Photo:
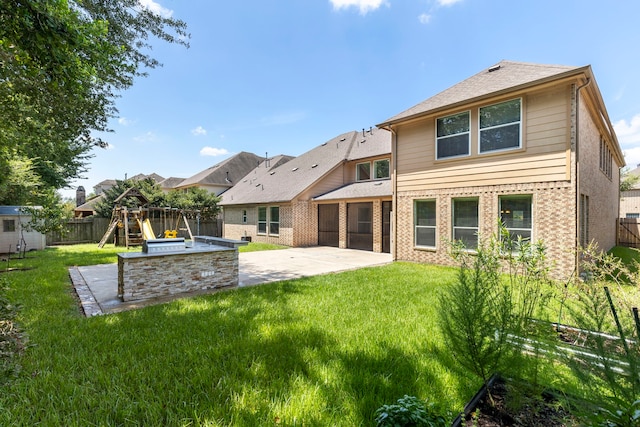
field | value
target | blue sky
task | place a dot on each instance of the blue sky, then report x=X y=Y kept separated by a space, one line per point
x=282 y=76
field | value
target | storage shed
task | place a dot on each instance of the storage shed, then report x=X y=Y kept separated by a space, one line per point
x=13 y=235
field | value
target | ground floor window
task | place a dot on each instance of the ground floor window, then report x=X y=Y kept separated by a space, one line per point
x=274 y=220
x=465 y=222
x=424 y=212
x=262 y=220
x=244 y=216
x=8 y=225
x=516 y=216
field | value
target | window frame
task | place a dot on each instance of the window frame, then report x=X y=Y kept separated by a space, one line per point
x=244 y=216
x=9 y=225
x=272 y=222
x=358 y=177
x=455 y=227
x=375 y=169
x=480 y=129
x=416 y=227
x=262 y=222
x=441 y=138
x=501 y=211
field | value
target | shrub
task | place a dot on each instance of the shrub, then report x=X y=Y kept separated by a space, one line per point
x=409 y=411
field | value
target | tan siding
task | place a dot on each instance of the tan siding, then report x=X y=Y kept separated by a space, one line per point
x=542 y=158
x=330 y=182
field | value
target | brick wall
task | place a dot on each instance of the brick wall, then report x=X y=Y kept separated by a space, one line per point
x=553 y=220
x=142 y=276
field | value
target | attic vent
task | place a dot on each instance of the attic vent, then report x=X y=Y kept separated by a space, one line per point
x=294 y=169
x=314 y=165
x=324 y=144
x=494 y=68
x=363 y=141
x=343 y=139
x=272 y=172
x=258 y=185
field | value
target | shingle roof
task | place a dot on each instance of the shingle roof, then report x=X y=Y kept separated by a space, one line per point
x=226 y=173
x=141 y=176
x=90 y=204
x=170 y=182
x=506 y=75
x=370 y=143
x=285 y=182
x=359 y=190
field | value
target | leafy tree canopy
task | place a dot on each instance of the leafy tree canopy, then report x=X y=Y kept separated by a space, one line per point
x=62 y=64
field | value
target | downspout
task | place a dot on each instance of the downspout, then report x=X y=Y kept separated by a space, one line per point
x=577 y=135
x=394 y=194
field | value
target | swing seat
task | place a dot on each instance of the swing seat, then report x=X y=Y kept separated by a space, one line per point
x=170 y=234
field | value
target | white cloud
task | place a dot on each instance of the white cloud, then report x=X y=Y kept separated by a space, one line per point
x=425 y=18
x=628 y=134
x=124 y=121
x=210 y=151
x=448 y=2
x=199 y=131
x=156 y=8
x=147 y=137
x=364 y=5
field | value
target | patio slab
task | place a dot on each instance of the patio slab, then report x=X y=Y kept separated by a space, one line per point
x=97 y=285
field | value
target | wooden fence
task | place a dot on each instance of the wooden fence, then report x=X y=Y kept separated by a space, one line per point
x=629 y=232
x=91 y=230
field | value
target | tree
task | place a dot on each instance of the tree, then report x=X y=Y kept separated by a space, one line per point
x=195 y=199
x=62 y=63
x=628 y=180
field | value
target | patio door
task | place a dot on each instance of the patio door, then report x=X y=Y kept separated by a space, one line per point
x=329 y=225
x=386 y=227
x=360 y=226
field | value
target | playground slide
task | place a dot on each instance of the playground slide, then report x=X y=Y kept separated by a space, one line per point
x=147 y=232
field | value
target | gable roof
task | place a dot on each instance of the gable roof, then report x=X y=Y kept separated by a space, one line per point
x=226 y=173
x=284 y=182
x=504 y=76
x=89 y=205
x=170 y=183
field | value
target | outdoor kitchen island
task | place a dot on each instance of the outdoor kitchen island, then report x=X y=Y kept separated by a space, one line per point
x=170 y=267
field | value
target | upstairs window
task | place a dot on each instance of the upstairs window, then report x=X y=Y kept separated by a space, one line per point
x=452 y=136
x=381 y=169
x=363 y=171
x=500 y=126
x=606 y=159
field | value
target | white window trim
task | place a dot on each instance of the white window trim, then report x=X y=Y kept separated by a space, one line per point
x=373 y=169
x=266 y=222
x=358 y=179
x=244 y=216
x=468 y=133
x=416 y=226
x=501 y=150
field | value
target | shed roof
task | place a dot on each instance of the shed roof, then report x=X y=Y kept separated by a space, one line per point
x=15 y=210
x=359 y=190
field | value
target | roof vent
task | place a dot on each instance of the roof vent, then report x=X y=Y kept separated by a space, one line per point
x=294 y=169
x=272 y=172
x=494 y=68
x=343 y=139
x=314 y=165
x=363 y=141
x=258 y=185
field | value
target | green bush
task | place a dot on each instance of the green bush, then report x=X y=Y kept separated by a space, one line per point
x=409 y=411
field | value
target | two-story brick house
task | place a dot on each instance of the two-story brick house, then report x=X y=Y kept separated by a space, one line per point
x=529 y=144
x=337 y=194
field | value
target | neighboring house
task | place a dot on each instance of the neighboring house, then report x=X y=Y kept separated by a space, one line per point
x=170 y=183
x=224 y=175
x=630 y=200
x=13 y=236
x=103 y=186
x=337 y=194
x=529 y=144
x=88 y=208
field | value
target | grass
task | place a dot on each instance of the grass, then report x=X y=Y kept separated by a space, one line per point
x=256 y=246
x=326 y=350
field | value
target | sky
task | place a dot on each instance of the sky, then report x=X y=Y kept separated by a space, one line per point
x=283 y=76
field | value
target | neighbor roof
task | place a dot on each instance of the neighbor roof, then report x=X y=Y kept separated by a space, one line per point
x=505 y=75
x=226 y=173
x=285 y=182
x=170 y=182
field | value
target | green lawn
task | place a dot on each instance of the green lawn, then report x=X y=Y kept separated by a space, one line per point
x=325 y=351
x=255 y=246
